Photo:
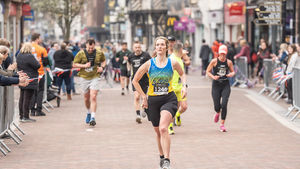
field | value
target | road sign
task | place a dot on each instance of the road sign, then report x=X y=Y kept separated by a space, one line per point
x=269 y=12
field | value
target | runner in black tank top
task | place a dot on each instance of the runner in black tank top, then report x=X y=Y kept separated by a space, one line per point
x=222 y=69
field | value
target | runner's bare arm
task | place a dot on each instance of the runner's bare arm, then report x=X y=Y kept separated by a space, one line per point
x=78 y=65
x=209 y=68
x=186 y=59
x=139 y=74
x=177 y=67
x=230 y=65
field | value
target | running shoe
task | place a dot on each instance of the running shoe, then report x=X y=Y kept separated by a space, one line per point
x=165 y=164
x=138 y=119
x=92 y=121
x=170 y=129
x=222 y=128
x=177 y=119
x=122 y=93
x=88 y=118
x=216 y=118
x=144 y=114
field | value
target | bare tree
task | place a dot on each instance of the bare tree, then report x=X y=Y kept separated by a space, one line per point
x=63 y=11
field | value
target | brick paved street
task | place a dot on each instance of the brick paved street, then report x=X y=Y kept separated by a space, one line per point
x=61 y=140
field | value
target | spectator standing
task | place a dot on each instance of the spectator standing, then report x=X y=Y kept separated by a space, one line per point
x=29 y=65
x=262 y=54
x=40 y=54
x=204 y=55
x=63 y=60
x=245 y=51
x=53 y=49
x=293 y=59
x=8 y=61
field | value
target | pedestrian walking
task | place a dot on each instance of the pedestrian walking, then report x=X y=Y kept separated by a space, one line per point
x=220 y=69
x=161 y=101
x=205 y=51
x=91 y=62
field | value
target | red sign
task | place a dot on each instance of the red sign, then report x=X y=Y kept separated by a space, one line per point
x=26 y=10
x=12 y=9
x=236 y=10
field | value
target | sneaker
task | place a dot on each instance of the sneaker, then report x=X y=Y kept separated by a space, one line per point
x=138 y=119
x=122 y=93
x=222 y=128
x=216 y=118
x=58 y=99
x=88 y=118
x=170 y=129
x=27 y=120
x=32 y=112
x=40 y=113
x=165 y=164
x=144 y=114
x=92 y=121
x=177 y=119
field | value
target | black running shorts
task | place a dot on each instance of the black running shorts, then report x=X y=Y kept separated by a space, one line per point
x=158 y=103
x=124 y=72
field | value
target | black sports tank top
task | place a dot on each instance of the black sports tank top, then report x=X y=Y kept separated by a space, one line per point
x=221 y=69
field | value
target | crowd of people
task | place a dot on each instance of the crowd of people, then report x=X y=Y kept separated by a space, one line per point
x=158 y=80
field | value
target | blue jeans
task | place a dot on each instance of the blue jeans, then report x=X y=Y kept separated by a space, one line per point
x=65 y=77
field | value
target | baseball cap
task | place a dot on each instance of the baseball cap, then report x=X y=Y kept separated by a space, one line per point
x=171 y=38
x=223 y=49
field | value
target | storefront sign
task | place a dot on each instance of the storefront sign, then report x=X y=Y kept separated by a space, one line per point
x=171 y=20
x=191 y=26
x=269 y=12
x=12 y=9
x=236 y=10
x=179 y=26
x=29 y=17
x=26 y=10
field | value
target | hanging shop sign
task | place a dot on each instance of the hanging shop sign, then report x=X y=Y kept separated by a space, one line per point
x=29 y=16
x=269 y=12
x=191 y=26
x=179 y=26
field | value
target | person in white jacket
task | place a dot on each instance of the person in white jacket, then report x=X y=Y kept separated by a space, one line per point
x=293 y=61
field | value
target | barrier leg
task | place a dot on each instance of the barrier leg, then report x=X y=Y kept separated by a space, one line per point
x=262 y=91
x=13 y=137
x=19 y=128
x=279 y=97
x=272 y=92
x=15 y=134
x=290 y=111
x=275 y=95
x=295 y=116
x=45 y=107
x=5 y=146
x=3 y=152
x=52 y=107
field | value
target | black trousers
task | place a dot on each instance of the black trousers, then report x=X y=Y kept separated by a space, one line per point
x=290 y=89
x=221 y=90
x=204 y=66
x=64 y=77
x=25 y=98
x=37 y=98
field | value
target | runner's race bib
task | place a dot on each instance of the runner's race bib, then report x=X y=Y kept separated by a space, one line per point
x=89 y=69
x=161 y=88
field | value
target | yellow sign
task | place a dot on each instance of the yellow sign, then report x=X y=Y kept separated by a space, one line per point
x=170 y=21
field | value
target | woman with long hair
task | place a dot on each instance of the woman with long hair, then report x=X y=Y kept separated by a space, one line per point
x=161 y=101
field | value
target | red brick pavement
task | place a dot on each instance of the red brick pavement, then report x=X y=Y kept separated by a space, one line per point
x=62 y=140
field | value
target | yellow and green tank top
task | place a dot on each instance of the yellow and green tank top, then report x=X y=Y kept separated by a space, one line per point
x=160 y=79
x=176 y=82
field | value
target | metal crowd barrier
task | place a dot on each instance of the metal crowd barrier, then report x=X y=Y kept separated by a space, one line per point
x=268 y=66
x=241 y=66
x=7 y=114
x=296 y=93
x=45 y=100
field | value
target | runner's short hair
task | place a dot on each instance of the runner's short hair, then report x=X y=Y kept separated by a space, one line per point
x=177 y=47
x=90 y=41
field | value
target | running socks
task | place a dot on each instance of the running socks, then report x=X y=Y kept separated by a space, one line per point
x=161 y=157
x=93 y=115
x=138 y=112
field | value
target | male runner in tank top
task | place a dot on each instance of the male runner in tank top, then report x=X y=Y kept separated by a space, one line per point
x=136 y=60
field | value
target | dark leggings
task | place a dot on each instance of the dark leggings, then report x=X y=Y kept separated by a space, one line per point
x=64 y=77
x=25 y=98
x=221 y=90
x=290 y=89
